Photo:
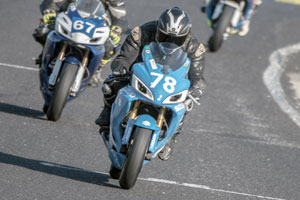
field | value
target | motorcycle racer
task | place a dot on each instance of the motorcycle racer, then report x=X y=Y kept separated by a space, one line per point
x=173 y=26
x=116 y=10
x=247 y=14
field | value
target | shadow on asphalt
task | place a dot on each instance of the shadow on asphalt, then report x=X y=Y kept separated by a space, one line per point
x=58 y=170
x=21 y=111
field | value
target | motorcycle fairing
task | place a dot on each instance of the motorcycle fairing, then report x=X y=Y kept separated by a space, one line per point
x=81 y=30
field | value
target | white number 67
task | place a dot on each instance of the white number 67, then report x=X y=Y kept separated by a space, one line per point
x=79 y=25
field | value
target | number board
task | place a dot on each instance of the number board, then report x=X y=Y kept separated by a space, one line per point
x=85 y=26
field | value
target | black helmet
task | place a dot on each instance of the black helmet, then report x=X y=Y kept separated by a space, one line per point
x=173 y=26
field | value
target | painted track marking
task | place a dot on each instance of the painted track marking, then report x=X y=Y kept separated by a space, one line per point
x=163 y=181
x=19 y=67
x=271 y=78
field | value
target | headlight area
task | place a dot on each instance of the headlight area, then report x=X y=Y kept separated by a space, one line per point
x=141 y=87
x=176 y=98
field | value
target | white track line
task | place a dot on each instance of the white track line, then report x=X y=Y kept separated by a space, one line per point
x=272 y=76
x=204 y=187
x=190 y=185
x=29 y=68
x=19 y=67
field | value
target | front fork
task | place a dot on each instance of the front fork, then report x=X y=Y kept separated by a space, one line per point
x=57 y=66
x=159 y=121
x=80 y=73
x=82 y=68
x=160 y=117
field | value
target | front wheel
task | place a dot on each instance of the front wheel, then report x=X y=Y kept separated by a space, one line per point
x=61 y=91
x=135 y=157
x=216 y=39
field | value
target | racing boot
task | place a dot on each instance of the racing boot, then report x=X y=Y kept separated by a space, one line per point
x=45 y=108
x=245 y=29
x=95 y=80
x=166 y=152
x=104 y=117
x=114 y=172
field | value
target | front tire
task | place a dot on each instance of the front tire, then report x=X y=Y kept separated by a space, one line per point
x=61 y=91
x=216 y=40
x=135 y=157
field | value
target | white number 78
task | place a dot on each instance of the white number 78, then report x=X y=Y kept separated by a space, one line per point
x=169 y=85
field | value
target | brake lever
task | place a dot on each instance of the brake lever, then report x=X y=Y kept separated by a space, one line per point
x=193 y=99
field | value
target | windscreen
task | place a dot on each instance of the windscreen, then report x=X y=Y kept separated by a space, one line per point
x=169 y=55
x=90 y=8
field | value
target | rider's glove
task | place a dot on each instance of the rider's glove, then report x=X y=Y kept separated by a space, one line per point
x=49 y=16
x=120 y=72
x=115 y=34
x=196 y=92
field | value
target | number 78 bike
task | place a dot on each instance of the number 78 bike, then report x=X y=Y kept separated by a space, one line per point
x=147 y=112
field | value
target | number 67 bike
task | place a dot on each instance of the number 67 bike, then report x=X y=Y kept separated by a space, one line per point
x=72 y=54
x=147 y=112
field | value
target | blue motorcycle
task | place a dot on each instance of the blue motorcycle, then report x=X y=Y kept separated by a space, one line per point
x=148 y=111
x=224 y=17
x=72 y=54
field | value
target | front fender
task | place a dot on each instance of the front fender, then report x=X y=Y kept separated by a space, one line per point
x=144 y=121
x=72 y=60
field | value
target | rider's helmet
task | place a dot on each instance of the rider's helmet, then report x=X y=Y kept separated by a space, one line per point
x=173 y=25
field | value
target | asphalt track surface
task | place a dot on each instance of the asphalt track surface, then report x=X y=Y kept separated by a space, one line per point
x=239 y=144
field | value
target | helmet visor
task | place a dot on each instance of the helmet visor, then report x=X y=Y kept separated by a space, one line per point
x=163 y=37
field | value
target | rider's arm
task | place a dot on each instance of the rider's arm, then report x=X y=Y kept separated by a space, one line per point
x=116 y=9
x=196 y=52
x=56 y=5
x=129 y=51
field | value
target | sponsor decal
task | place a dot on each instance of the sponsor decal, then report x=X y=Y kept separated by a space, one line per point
x=146 y=123
x=186 y=63
x=159 y=98
x=179 y=107
x=153 y=64
x=153 y=141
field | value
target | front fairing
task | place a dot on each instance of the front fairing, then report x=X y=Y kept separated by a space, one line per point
x=160 y=81
x=83 y=30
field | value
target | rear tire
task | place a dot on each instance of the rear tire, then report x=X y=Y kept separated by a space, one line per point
x=61 y=91
x=216 y=40
x=135 y=157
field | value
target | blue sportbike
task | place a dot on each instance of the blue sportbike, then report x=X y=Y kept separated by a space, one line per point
x=147 y=112
x=72 y=54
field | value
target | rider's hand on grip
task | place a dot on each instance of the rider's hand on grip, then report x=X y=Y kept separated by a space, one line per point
x=196 y=93
x=120 y=72
x=49 y=16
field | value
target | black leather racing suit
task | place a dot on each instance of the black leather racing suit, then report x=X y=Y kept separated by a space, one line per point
x=131 y=53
